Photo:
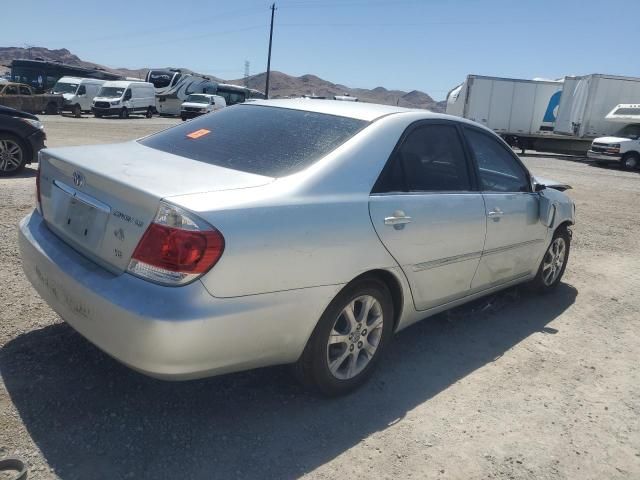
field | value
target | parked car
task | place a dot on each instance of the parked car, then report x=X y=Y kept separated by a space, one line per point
x=623 y=147
x=286 y=231
x=22 y=97
x=21 y=138
x=78 y=93
x=200 y=103
x=122 y=97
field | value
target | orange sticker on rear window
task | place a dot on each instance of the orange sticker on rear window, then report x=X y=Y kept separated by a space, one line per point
x=199 y=133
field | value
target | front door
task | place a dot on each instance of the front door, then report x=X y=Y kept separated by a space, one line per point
x=427 y=214
x=515 y=234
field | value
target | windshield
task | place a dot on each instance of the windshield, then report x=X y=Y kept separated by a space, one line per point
x=64 y=87
x=198 y=98
x=111 y=92
x=263 y=140
x=630 y=131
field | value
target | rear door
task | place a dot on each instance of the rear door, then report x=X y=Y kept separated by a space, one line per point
x=515 y=234
x=428 y=214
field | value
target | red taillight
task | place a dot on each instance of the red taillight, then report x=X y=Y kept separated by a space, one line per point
x=179 y=250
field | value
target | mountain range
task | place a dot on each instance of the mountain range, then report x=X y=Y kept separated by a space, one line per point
x=281 y=84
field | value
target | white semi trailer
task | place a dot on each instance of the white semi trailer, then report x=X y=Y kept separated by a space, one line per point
x=562 y=117
x=587 y=100
x=522 y=111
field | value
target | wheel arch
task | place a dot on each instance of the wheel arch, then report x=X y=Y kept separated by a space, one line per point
x=395 y=288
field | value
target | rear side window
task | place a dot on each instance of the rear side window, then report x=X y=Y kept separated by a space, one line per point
x=499 y=171
x=263 y=140
x=430 y=159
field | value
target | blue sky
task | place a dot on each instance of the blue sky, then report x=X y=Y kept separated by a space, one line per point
x=428 y=45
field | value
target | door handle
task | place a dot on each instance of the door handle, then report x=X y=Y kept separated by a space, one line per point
x=496 y=212
x=398 y=218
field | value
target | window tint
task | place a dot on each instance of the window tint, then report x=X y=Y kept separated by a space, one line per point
x=11 y=90
x=499 y=171
x=82 y=90
x=24 y=90
x=430 y=159
x=256 y=139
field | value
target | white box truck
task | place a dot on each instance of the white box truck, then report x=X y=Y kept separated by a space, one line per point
x=522 y=111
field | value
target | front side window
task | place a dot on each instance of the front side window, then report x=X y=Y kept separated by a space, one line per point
x=430 y=159
x=498 y=170
x=82 y=90
x=24 y=90
x=263 y=140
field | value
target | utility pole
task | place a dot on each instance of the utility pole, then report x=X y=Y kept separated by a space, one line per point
x=266 y=90
x=246 y=73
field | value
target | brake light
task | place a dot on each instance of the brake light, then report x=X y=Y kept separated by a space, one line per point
x=177 y=248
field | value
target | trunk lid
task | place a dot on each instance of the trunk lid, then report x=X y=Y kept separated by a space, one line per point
x=101 y=199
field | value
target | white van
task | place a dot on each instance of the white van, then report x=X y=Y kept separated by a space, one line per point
x=78 y=93
x=122 y=97
x=200 y=103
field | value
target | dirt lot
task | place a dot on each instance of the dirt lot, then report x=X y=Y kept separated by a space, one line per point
x=521 y=386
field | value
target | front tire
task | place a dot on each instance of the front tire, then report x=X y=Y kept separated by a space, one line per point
x=349 y=339
x=51 y=109
x=13 y=155
x=77 y=111
x=631 y=161
x=124 y=113
x=149 y=112
x=554 y=262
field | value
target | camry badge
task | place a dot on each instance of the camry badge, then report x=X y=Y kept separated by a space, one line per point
x=78 y=179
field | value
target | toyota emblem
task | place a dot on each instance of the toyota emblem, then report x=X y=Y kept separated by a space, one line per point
x=78 y=179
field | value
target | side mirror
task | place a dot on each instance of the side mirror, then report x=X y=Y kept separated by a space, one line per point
x=539 y=187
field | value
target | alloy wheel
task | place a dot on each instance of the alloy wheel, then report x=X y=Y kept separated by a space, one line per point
x=355 y=337
x=553 y=261
x=10 y=155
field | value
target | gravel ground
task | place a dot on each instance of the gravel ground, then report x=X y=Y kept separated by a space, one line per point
x=514 y=387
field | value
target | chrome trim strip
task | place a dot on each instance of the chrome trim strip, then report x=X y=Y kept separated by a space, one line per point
x=83 y=197
x=510 y=247
x=446 y=261
x=470 y=256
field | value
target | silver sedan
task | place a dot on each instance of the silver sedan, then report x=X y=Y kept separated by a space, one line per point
x=294 y=231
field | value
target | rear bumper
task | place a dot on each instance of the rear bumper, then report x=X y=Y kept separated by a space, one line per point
x=603 y=157
x=36 y=142
x=170 y=333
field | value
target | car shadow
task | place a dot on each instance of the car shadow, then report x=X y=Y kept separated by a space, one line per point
x=25 y=172
x=94 y=418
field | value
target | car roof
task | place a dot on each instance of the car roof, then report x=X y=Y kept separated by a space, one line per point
x=359 y=110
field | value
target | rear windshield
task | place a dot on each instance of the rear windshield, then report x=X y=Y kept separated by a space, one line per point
x=263 y=140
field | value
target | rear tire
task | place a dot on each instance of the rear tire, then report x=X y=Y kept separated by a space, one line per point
x=51 y=109
x=77 y=111
x=13 y=155
x=554 y=262
x=631 y=161
x=348 y=340
x=124 y=113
